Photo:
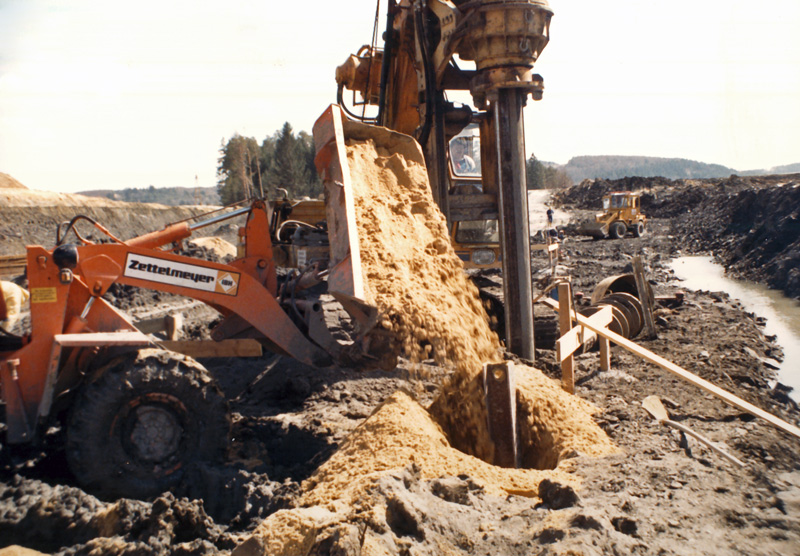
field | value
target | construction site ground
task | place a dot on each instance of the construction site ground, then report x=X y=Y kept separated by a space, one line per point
x=659 y=494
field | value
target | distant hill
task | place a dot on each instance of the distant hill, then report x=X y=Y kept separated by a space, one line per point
x=785 y=169
x=170 y=196
x=580 y=168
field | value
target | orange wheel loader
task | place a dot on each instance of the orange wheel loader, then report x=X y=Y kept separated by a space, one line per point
x=134 y=413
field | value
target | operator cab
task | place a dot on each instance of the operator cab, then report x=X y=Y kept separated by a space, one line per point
x=477 y=242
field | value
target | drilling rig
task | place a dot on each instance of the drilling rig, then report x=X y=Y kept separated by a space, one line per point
x=406 y=81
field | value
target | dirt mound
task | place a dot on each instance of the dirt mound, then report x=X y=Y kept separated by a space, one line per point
x=8 y=182
x=589 y=193
x=755 y=233
x=225 y=250
x=30 y=217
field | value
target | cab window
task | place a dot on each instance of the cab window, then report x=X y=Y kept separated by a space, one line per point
x=477 y=231
x=619 y=201
x=465 y=153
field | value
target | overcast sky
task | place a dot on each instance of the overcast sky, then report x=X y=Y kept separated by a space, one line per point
x=106 y=95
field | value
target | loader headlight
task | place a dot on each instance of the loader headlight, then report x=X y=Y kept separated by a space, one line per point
x=483 y=256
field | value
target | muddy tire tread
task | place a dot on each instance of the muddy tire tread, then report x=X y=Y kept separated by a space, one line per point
x=95 y=452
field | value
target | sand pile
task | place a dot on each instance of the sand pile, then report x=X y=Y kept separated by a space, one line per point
x=401 y=432
x=24 y=197
x=216 y=245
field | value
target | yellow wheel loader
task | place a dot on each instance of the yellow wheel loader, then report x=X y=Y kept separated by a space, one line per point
x=621 y=214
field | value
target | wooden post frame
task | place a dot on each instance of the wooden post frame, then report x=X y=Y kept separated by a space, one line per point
x=579 y=335
x=692 y=378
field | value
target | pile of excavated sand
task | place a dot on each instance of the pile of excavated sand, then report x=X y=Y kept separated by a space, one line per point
x=216 y=245
x=401 y=432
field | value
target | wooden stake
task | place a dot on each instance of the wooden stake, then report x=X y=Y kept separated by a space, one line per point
x=564 y=326
x=605 y=354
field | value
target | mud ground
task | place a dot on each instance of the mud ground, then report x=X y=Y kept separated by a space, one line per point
x=662 y=495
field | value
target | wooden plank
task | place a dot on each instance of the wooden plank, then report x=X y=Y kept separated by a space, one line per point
x=544 y=247
x=564 y=325
x=102 y=339
x=171 y=324
x=578 y=335
x=571 y=341
x=689 y=377
x=210 y=348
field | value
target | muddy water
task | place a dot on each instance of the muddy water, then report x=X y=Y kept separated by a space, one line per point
x=782 y=313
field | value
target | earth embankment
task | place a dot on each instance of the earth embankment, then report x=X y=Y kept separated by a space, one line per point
x=32 y=217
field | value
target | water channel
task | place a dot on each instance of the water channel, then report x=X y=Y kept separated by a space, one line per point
x=782 y=313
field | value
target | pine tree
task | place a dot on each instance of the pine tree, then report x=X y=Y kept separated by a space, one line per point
x=535 y=173
x=291 y=163
x=238 y=169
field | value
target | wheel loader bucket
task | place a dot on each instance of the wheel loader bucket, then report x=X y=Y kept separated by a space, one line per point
x=331 y=131
x=594 y=229
x=345 y=274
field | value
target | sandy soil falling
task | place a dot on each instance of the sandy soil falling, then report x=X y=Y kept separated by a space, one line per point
x=410 y=268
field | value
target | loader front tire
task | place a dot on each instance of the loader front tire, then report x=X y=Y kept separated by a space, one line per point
x=135 y=427
x=617 y=230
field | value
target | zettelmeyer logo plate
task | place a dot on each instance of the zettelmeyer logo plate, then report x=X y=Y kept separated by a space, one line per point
x=184 y=275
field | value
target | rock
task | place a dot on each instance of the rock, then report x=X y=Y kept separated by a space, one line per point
x=343 y=540
x=550 y=535
x=286 y=533
x=625 y=525
x=585 y=521
x=557 y=496
x=404 y=519
x=451 y=489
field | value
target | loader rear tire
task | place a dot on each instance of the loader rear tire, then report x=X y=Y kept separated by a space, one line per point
x=134 y=428
x=639 y=229
x=617 y=230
